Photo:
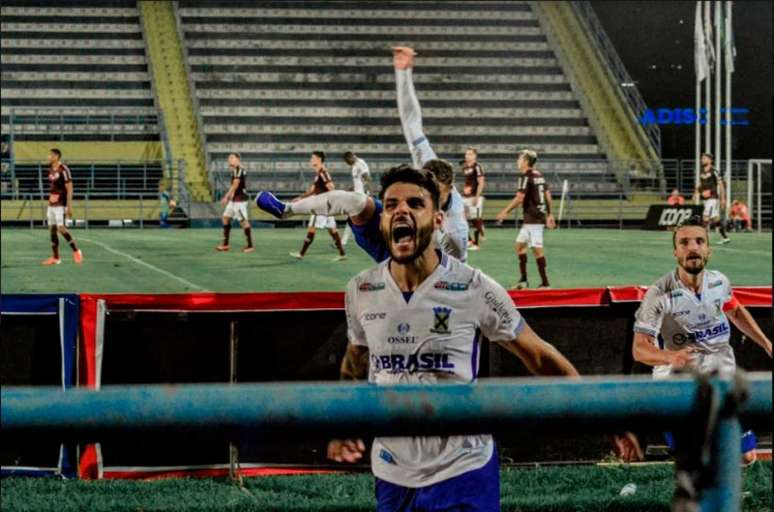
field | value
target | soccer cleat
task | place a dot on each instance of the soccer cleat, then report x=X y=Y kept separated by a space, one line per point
x=222 y=248
x=474 y=247
x=297 y=255
x=269 y=203
x=51 y=261
x=725 y=241
x=248 y=249
x=78 y=256
x=521 y=285
x=340 y=257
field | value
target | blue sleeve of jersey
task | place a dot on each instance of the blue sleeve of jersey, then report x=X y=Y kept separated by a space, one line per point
x=369 y=238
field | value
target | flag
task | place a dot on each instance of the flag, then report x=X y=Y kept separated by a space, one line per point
x=730 y=49
x=700 y=49
x=709 y=36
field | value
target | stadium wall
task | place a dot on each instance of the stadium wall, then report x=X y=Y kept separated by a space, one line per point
x=264 y=337
x=89 y=151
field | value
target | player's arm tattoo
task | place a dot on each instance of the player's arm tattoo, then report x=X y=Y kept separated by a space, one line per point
x=539 y=356
x=354 y=366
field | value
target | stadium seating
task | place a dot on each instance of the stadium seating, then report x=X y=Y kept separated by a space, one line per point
x=76 y=70
x=275 y=80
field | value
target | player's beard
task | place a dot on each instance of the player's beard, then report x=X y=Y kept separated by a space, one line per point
x=694 y=265
x=422 y=238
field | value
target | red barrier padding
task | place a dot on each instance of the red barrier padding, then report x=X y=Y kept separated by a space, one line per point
x=268 y=301
x=571 y=297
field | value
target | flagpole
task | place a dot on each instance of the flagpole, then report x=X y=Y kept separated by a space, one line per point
x=708 y=92
x=700 y=63
x=718 y=93
x=729 y=57
x=697 y=152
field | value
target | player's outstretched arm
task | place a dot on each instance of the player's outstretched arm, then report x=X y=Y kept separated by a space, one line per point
x=744 y=321
x=408 y=107
x=515 y=202
x=539 y=356
x=646 y=351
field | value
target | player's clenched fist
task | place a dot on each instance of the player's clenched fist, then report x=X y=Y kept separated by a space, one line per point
x=403 y=57
x=684 y=358
x=346 y=450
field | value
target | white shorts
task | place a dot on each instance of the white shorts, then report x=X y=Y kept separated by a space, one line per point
x=56 y=215
x=236 y=210
x=474 y=207
x=711 y=209
x=322 y=222
x=531 y=234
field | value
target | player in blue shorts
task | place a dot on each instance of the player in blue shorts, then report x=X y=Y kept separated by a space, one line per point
x=363 y=211
x=683 y=320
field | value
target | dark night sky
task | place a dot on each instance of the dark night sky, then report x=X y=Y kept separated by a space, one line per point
x=648 y=33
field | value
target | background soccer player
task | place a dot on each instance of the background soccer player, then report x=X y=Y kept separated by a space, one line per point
x=712 y=189
x=236 y=204
x=683 y=319
x=473 y=194
x=535 y=198
x=418 y=318
x=322 y=183
x=60 y=204
x=361 y=182
x=165 y=203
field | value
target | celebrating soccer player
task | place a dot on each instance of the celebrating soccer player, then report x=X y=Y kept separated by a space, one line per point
x=535 y=198
x=322 y=183
x=60 y=204
x=236 y=204
x=683 y=319
x=419 y=318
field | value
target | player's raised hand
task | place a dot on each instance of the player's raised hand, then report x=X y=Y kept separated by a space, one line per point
x=346 y=450
x=684 y=358
x=403 y=57
x=550 y=222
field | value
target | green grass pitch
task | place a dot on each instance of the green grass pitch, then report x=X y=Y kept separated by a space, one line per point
x=184 y=260
x=544 y=489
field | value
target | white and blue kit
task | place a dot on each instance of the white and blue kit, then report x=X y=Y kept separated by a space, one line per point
x=429 y=336
x=677 y=317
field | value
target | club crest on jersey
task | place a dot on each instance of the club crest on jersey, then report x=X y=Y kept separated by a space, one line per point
x=371 y=287
x=718 y=306
x=715 y=284
x=452 y=287
x=441 y=320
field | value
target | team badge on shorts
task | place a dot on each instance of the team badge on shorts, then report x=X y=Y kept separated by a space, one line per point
x=441 y=321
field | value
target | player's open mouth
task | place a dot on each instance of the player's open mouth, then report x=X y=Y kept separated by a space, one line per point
x=402 y=233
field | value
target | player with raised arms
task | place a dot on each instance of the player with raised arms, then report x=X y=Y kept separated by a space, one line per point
x=364 y=211
x=419 y=317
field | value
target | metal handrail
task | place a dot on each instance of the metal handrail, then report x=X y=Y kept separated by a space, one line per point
x=608 y=51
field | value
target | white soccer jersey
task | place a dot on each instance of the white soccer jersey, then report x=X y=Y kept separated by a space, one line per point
x=359 y=169
x=452 y=238
x=677 y=317
x=435 y=336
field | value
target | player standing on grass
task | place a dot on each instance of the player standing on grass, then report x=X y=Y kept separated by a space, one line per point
x=361 y=183
x=60 y=204
x=535 y=198
x=363 y=211
x=322 y=183
x=712 y=189
x=236 y=204
x=683 y=319
x=473 y=192
x=419 y=318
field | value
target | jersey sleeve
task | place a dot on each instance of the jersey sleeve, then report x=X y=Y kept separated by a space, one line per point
x=479 y=171
x=650 y=314
x=523 y=182
x=355 y=332
x=730 y=302
x=362 y=168
x=411 y=118
x=67 y=176
x=499 y=318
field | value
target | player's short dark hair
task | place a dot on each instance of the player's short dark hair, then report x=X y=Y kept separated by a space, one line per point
x=407 y=174
x=529 y=155
x=692 y=221
x=239 y=157
x=474 y=150
x=709 y=155
x=56 y=152
x=442 y=170
x=349 y=155
x=320 y=155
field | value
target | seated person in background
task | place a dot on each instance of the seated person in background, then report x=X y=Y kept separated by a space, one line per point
x=675 y=198
x=740 y=216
